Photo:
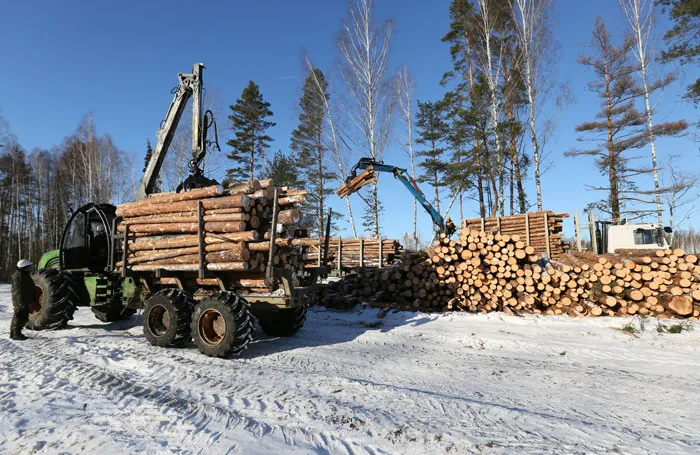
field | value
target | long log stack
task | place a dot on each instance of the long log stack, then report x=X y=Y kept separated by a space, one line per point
x=353 y=253
x=483 y=272
x=541 y=230
x=164 y=232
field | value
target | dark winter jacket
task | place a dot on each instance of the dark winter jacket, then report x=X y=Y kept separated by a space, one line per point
x=23 y=290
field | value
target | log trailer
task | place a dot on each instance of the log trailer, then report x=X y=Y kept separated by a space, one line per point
x=178 y=306
x=370 y=167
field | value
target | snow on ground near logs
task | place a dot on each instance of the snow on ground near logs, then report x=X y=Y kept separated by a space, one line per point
x=408 y=383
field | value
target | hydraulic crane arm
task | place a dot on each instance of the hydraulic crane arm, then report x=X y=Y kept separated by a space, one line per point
x=190 y=86
x=400 y=174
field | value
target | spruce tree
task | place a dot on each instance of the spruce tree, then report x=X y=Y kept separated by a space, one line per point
x=308 y=144
x=146 y=160
x=433 y=130
x=249 y=124
x=283 y=171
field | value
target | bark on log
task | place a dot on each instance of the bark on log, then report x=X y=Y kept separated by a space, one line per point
x=224 y=202
x=220 y=267
x=184 y=228
x=161 y=242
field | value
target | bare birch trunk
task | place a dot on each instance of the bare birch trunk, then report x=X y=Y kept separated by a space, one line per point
x=639 y=14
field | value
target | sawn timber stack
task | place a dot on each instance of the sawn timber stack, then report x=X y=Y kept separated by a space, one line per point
x=344 y=253
x=541 y=230
x=164 y=231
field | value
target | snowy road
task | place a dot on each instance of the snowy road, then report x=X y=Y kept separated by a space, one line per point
x=408 y=383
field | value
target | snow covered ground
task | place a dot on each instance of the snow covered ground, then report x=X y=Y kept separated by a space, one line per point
x=407 y=383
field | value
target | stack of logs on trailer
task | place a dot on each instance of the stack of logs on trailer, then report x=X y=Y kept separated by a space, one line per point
x=484 y=272
x=164 y=231
x=541 y=230
x=352 y=253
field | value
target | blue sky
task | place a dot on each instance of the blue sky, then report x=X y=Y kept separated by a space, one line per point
x=120 y=60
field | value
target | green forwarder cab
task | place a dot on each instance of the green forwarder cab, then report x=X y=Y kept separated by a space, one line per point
x=79 y=273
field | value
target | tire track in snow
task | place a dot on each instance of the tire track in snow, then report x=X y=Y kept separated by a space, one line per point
x=202 y=410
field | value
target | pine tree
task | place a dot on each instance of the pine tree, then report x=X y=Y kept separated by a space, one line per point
x=460 y=171
x=432 y=129
x=308 y=144
x=620 y=126
x=251 y=142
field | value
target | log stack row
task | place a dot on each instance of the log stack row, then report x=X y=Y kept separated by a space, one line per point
x=541 y=230
x=483 y=272
x=164 y=230
x=352 y=253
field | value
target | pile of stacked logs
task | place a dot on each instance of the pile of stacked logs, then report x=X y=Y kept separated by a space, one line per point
x=163 y=231
x=352 y=253
x=541 y=230
x=483 y=272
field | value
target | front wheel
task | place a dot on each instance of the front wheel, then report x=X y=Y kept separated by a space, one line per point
x=222 y=325
x=55 y=301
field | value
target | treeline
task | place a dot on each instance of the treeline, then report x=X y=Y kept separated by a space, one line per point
x=40 y=188
x=687 y=240
x=488 y=136
x=481 y=144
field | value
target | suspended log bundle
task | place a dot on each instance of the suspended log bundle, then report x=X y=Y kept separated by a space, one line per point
x=484 y=272
x=364 y=178
x=541 y=230
x=213 y=230
x=344 y=254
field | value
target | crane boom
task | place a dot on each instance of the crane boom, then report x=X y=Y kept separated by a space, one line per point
x=190 y=85
x=400 y=174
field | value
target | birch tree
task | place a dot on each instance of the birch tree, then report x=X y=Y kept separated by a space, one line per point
x=490 y=63
x=640 y=16
x=404 y=96
x=364 y=48
x=531 y=30
x=332 y=139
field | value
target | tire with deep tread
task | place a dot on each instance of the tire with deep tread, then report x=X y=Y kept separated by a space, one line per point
x=283 y=323
x=115 y=313
x=166 y=318
x=55 y=301
x=233 y=319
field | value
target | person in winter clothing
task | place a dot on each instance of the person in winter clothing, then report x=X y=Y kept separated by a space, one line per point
x=23 y=295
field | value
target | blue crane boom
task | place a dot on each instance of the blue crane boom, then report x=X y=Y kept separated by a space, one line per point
x=400 y=174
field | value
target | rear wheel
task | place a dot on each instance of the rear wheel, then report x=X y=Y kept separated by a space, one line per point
x=222 y=325
x=55 y=301
x=166 y=318
x=283 y=323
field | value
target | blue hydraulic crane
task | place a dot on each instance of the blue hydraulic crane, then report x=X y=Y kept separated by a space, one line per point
x=400 y=174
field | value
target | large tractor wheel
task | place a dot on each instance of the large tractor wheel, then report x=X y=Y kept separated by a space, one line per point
x=55 y=301
x=222 y=325
x=166 y=318
x=283 y=323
